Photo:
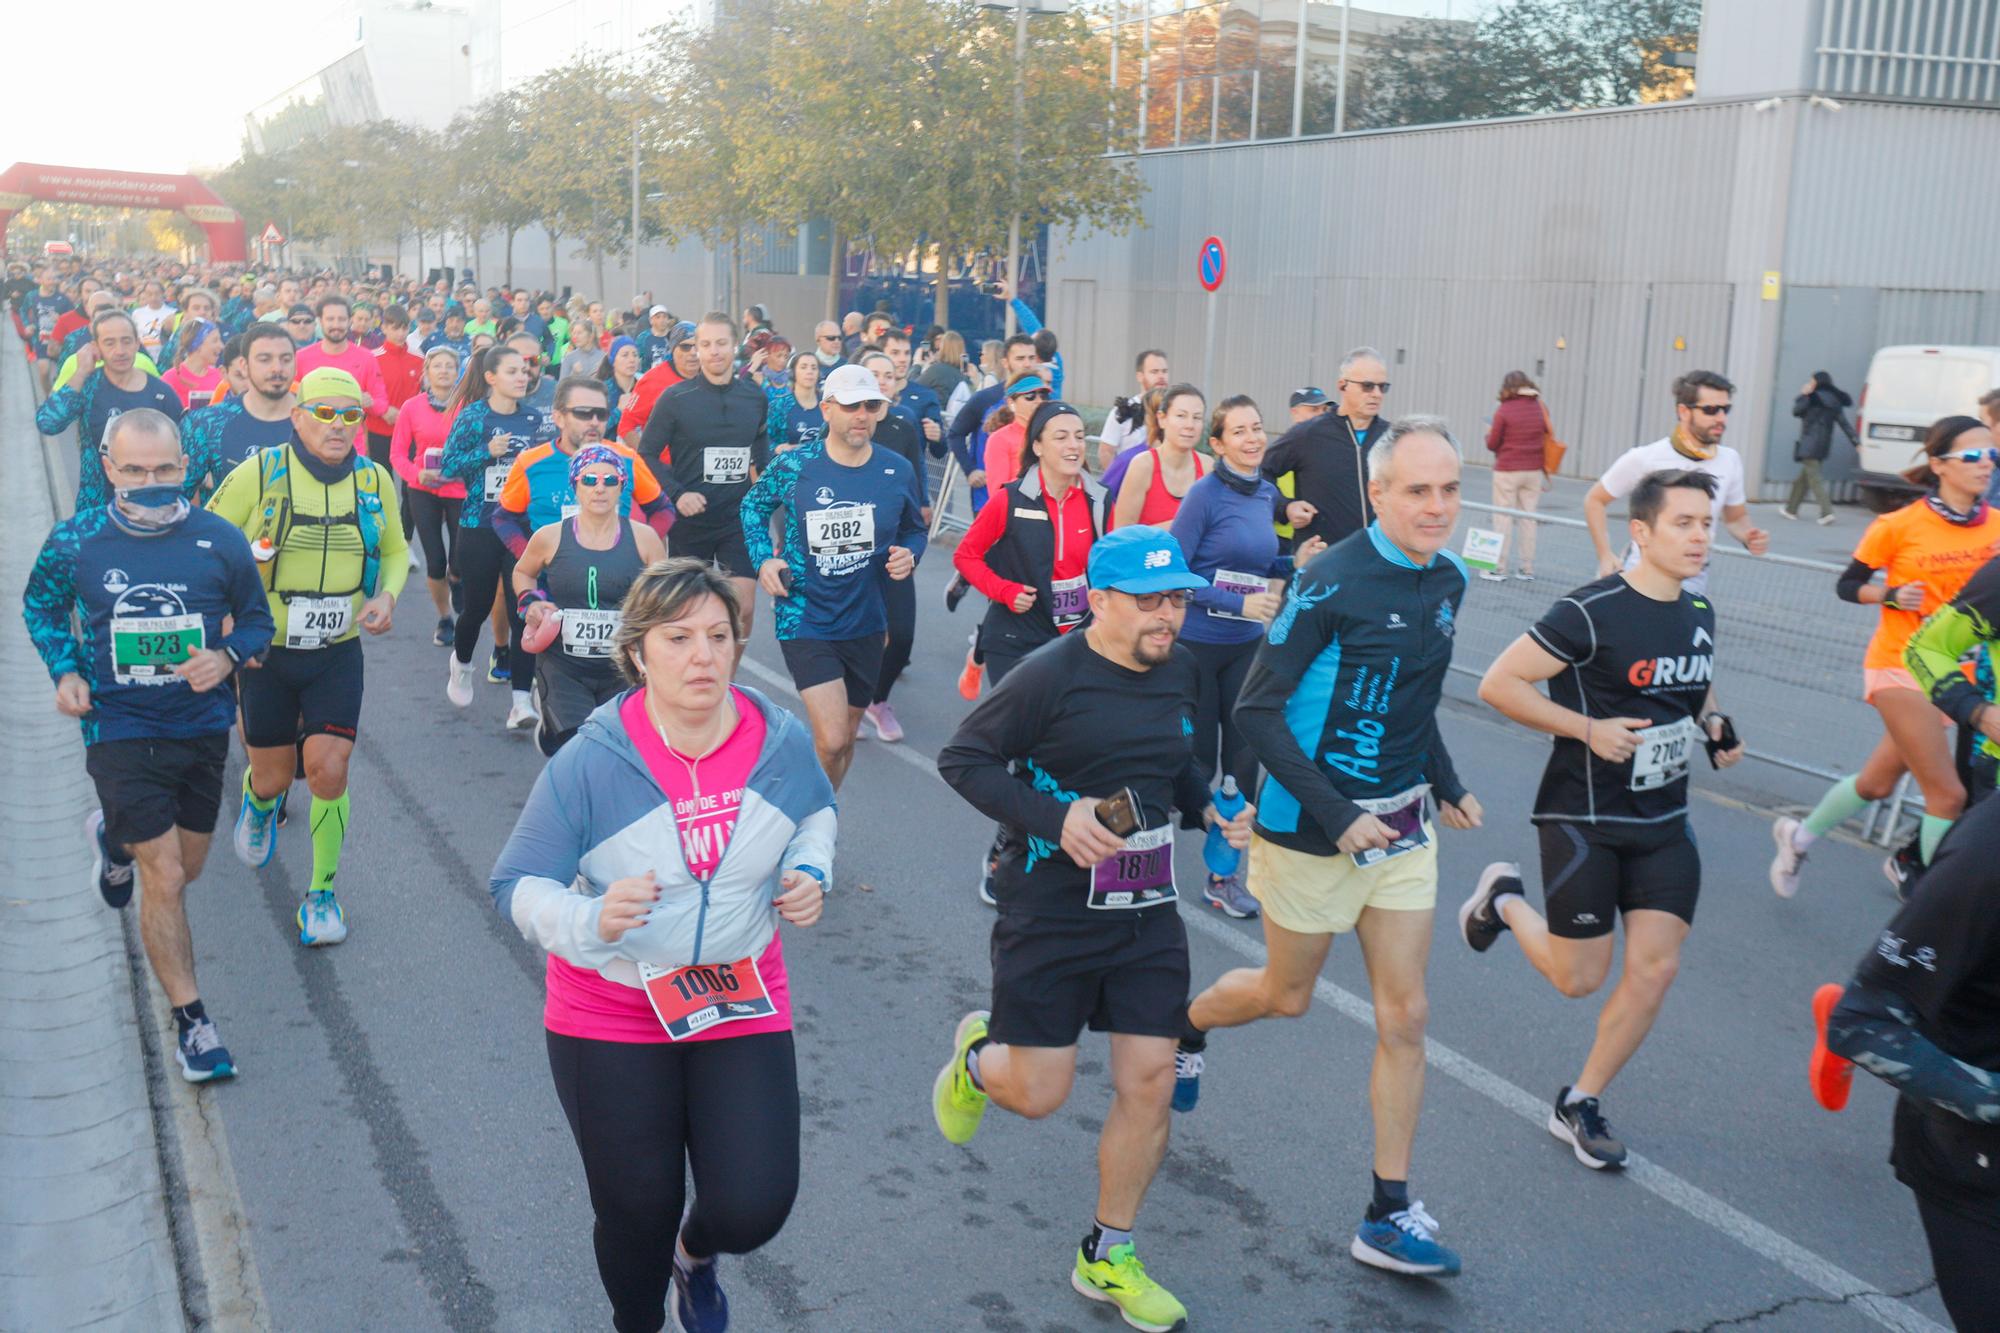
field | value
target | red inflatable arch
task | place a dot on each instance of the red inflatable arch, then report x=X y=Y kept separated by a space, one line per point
x=25 y=182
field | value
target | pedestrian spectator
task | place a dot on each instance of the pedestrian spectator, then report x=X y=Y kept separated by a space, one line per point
x=946 y=375
x=992 y=359
x=1820 y=406
x=1516 y=437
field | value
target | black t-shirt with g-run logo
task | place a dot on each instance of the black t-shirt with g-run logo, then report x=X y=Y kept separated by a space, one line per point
x=1628 y=655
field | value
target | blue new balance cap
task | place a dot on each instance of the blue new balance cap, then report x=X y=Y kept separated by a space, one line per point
x=1141 y=558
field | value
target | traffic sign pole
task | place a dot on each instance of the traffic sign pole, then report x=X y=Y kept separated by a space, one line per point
x=1211 y=264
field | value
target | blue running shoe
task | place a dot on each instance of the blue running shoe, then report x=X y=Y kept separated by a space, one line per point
x=111 y=875
x=256 y=839
x=1226 y=894
x=499 y=669
x=1405 y=1242
x=201 y=1054
x=320 y=919
x=698 y=1305
x=1187 y=1078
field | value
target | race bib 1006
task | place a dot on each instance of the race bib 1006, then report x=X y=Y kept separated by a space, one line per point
x=692 y=999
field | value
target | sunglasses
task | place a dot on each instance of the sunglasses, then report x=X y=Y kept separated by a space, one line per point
x=1973 y=455
x=1034 y=396
x=1150 y=601
x=594 y=480
x=829 y=337
x=1712 y=409
x=1369 y=386
x=299 y=319
x=346 y=416
x=589 y=413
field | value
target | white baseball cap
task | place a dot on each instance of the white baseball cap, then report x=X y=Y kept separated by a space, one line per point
x=853 y=385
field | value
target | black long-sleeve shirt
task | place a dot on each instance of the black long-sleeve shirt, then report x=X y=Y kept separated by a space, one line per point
x=1070 y=722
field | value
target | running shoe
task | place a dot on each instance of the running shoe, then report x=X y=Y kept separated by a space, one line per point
x=1120 y=1279
x=956 y=1102
x=457 y=597
x=954 y=592
x=256 y=835
x=1525 y=575
x=968 y=679
x=1227 y=895
x=1785 y=866
x=988 y=864
x=200 y=1053
x=446 y=627
x=1825 y=519
x=1902 y=868
x=1477 y=921
x=1832 y=1075
x=699 y=1305
x=1405 y=1242
x=458 y=682
x=320 y=919
x=112 y=876
x=1581 y=1124
x=1187 y=1078
x=1493 y=575
x=282 y=815
x=416 y=559
x=883 y=718
x=498 y=671
x=522 y=716
x=1789 y=514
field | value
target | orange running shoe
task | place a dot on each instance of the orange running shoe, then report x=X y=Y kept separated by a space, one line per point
x=1831 y=1075
x=968 y=679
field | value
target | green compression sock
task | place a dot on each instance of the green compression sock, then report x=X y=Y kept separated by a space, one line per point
x=1930 y=832
x=258 y=803
x=1841 y=802
x=329 y=831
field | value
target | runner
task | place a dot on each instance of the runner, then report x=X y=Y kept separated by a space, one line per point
x=852 y=513
x=1630 y=666
x=100 y=393
x=539 y=489
x=1934 y=657
x=432 y=503
x=1926 y=551
x=1328 y=495
x=620 y=373
x=1088 y=934
x=680 y=365
x=1224 y=525
x=903 y=429
x=150 y=680
x=706 y=444
x=1007 y=430
x=490 y=429
x=1030 y=556
x=196 y=376
x=1145 y=491
x=795 y=411
x=1702 y=402
x=1341 y=709
x=222 y=435
x=578 y=569
x=657 y=340
x=325 y=521
x=669 y=1013
x=1922 y=1013
x=401 y=372
x=966 y=438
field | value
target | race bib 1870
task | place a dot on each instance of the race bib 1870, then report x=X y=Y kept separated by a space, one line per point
x=1139 y=874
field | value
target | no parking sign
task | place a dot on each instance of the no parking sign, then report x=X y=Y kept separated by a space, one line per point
x=1211 y=264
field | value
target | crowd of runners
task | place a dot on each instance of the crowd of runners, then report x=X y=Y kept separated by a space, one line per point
x=1186 y=624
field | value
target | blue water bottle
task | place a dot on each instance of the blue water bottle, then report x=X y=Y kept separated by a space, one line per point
x=1219 y=855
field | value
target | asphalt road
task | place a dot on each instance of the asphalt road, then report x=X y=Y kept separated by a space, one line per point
x=404 y=1164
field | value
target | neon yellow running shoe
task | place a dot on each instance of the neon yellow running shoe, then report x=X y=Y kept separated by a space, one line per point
x=956 y=1102
x=1121 y=1280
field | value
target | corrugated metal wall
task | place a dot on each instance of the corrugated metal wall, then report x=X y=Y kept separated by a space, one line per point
x=1910 y=48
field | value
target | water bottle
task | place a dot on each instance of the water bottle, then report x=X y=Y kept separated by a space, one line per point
x=1220 y=857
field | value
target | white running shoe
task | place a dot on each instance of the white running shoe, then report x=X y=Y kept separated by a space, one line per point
x=458 y=681
x=321 y=921
x=522 y=716
x=1786 y=864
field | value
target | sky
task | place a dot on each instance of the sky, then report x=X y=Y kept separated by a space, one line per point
x=188 y=77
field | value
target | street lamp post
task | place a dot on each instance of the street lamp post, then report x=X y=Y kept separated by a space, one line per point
x=1020 y=8
x=636 y=285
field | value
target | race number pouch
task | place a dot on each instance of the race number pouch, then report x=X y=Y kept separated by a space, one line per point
x=699 y=996
x=1139 y=874
x=1663 y=754
x=146 y=649
x=1403 y=813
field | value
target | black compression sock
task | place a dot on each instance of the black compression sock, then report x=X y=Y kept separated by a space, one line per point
x=1192 y=1037
x=1097 y=1245
x=188 y=1015
x=1391 y=1196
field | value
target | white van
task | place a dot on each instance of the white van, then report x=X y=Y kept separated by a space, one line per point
x=1907 y=389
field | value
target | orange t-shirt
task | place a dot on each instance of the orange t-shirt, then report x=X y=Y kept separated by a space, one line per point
x=1917 y=545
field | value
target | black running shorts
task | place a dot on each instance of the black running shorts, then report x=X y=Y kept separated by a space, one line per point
x=719 y=546
x=154 y=785
x=856 y=662
x=302 y=692
x=1592 y=872
x=1054 y=976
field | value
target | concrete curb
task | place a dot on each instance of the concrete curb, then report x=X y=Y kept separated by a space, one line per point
x=85 y=1232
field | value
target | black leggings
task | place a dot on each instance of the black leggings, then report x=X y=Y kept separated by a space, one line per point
x=435 y=520
x=901 y=596
x=485 y=568
x=643 y=1115
x=1965 y=1254
x=1223 y=667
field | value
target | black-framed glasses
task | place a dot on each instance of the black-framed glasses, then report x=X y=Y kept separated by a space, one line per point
x=596 y=479
x=300 y=319
x=1150 y=601
x=346 y=416
x=1370 y=386
x=1712 y=409
x=589 y=413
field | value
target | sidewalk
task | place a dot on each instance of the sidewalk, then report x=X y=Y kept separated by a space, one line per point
x=85 y=1238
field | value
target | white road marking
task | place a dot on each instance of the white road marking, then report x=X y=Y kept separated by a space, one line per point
x=1747 y=1231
